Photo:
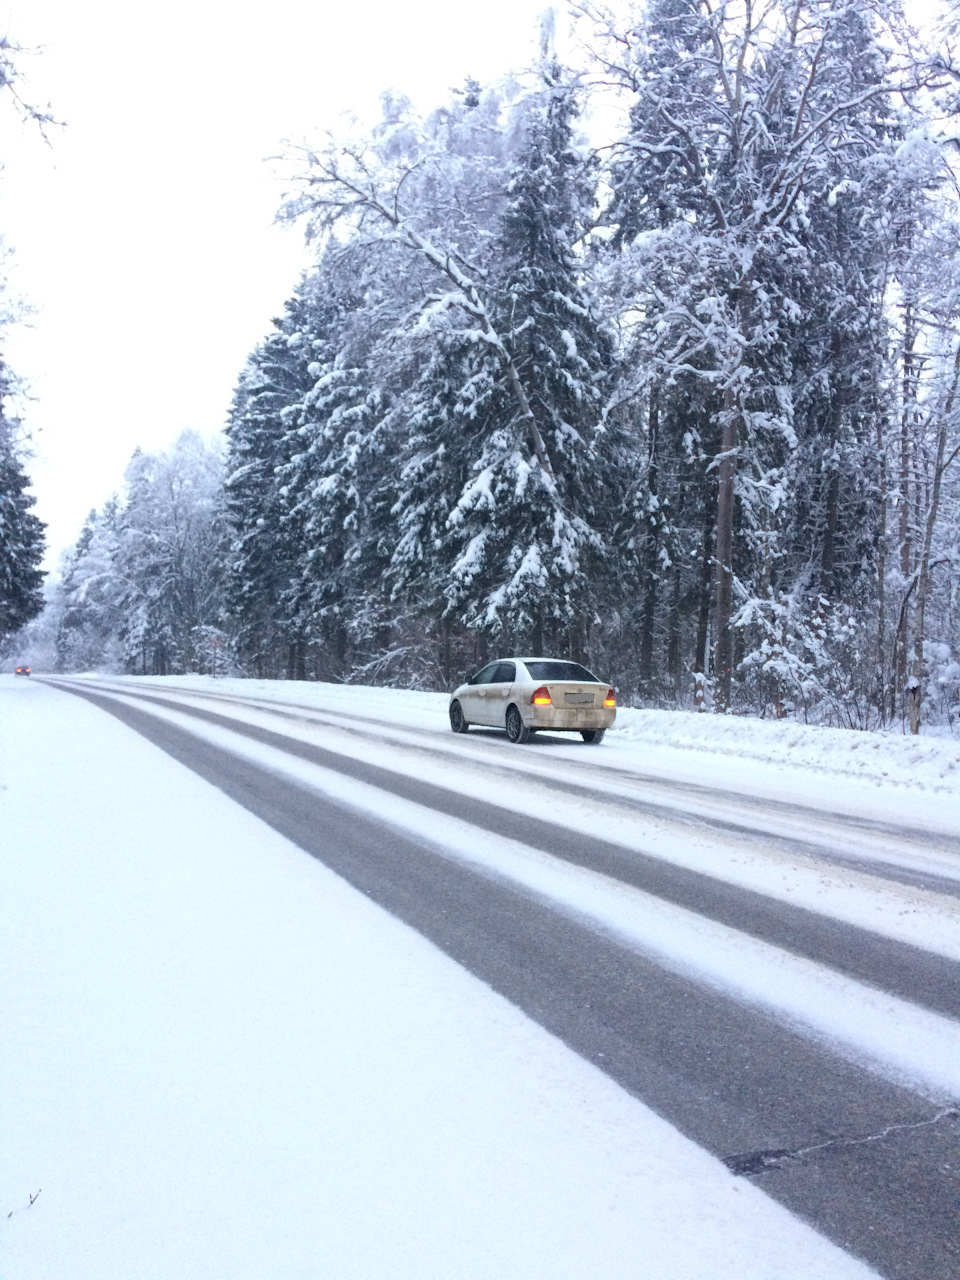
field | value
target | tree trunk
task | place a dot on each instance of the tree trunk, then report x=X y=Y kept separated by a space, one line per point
x=723 y=608
x=703 y=615
x=537 y=638
x=673 y=635
x=340 y=647
x=909 y=389
x=881 y=696
x=828 y=557
x=917 y=666
x=652 y=547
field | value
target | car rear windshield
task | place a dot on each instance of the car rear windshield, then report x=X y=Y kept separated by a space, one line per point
x=560 y=671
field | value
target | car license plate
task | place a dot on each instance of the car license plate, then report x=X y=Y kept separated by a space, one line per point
x=578 y=699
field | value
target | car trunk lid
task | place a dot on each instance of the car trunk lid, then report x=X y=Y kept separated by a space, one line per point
x=575 y=693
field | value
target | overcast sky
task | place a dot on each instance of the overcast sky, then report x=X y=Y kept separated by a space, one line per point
x=143 y=235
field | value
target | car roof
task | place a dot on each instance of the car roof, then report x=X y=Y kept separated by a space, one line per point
x=527 y=659
x=517 y=657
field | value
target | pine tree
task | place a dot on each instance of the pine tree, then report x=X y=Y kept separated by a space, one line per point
x=261 y=544
x=326 y=472
x=21 y=532
x=525 y=530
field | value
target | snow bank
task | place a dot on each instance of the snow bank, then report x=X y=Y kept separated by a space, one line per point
x=898 y=758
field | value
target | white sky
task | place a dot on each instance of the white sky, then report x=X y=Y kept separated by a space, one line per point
x=143 y=234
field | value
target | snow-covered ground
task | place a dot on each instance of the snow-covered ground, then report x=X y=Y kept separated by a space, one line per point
x=222 y=1061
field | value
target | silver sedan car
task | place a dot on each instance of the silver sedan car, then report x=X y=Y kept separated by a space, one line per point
x=522 y=695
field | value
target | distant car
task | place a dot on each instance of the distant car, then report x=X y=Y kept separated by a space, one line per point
x=23 y=671
x=522 y=695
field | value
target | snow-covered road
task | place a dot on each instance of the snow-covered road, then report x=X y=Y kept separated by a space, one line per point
x=816 y=913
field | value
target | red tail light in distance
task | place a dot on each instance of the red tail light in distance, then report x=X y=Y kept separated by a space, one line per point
x=541 y=697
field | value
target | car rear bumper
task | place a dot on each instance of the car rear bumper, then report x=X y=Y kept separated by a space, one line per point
x=568 y=717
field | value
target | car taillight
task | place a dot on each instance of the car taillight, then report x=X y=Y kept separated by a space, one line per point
x=541 y=697
x=611 y=699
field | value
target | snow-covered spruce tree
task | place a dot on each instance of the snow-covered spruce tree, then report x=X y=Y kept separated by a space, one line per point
x=329 y=460
x=21 y=532
x=526 y=528
x=437 y=381
x=440 y=408
x=317 y=443
x=261 y=542
x=450 y=170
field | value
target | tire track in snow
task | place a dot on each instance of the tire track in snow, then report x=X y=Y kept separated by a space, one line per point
x=828 y=836
x=922 y=977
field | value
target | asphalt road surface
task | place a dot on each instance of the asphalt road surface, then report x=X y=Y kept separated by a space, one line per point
x=874 y=1166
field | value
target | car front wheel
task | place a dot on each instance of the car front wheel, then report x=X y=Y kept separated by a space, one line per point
x=517 y=731
x=592 y=736
x=458 y=721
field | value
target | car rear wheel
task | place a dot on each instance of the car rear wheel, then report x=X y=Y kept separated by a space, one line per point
x=517 y=731
x=592 y=736
x=458 y=721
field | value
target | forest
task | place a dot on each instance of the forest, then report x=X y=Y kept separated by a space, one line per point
x=648 y=355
